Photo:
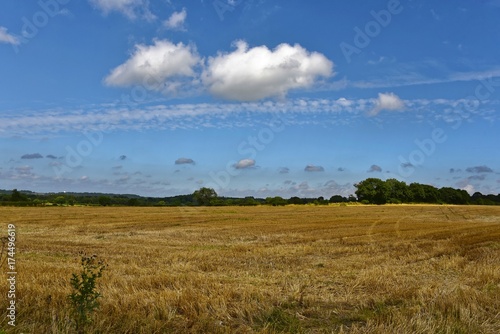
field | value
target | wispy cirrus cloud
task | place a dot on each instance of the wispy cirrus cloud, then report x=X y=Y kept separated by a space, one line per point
x=416 y=78
x=115 y=117
x=132 y=9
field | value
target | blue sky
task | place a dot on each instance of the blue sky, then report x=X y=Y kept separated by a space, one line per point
x=251 y=98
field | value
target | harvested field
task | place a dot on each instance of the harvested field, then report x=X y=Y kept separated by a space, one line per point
x=293 y=269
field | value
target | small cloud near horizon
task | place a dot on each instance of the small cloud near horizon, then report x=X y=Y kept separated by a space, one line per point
x=481 y=177
x=375 y=168
x=479 y=169
x=284 y=170
x=184 y=161
x=32 y=156
x=313 y=168
x=244 y=164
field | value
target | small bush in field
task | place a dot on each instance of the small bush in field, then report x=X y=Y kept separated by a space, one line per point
x=84 y=298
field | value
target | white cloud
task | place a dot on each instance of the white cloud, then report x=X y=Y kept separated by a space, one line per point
x=244 y=163
x=469 y=188
x=129 y=8
x=387 y=101
x=344 y=102
x=250 y=74
x=380 y=60
x=176 y=20
x=157 y=67
x=5 y=37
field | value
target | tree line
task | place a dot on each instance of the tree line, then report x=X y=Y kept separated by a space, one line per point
x=369 y=191
x=377 y=191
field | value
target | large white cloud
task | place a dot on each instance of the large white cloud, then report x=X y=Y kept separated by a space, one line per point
x=5 y=37
x=158 y=67
x=250 y=74
x=387 y=101
x=129 y=8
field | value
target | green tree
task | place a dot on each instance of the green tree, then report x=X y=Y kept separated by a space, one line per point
x=60 y=200
x=453 y=196
x=276 y=201
x=423 y=193
x=38 y=202
x=321 y=201
x=132 y=202
x=205 y=196
x=104 y=200
x=71 y=200
x=17 y=196
x=249 y=201
x=372 y=190
x=397 y=191
x=337 y=199
x=417 y=192
x=295 y=200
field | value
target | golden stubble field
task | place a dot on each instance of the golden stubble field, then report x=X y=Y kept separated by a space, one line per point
x=295 y=269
